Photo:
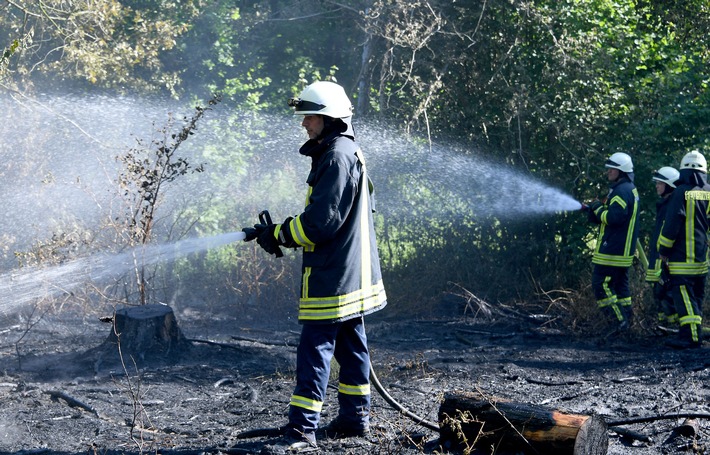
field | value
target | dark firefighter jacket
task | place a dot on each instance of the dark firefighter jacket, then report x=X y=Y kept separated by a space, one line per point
x=618 y=232
x=684 y=237
x=653 y=274
x=341 y=277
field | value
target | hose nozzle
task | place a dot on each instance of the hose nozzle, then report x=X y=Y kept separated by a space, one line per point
x=584 y=208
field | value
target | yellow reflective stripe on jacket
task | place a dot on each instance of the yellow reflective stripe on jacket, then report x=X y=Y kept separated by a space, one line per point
x=619 y=200
x=299 y=235
x=690 y=229
x=612 y=260
x=296 y=228
x=304 y=280
x=365 y=257
x=306 y=403
x=688 y=268
x=665 y=241
x=336 y=307
x=654 y=275
x=358 y=390
x=629 y=247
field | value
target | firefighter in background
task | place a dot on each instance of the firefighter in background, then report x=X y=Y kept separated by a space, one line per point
x=341 y=276
x=657 y=274
x=683 y=247
x=616 y=243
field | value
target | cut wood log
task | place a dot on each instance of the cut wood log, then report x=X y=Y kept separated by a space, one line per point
x=146 y=332
x=470 y=420
x=690 y=428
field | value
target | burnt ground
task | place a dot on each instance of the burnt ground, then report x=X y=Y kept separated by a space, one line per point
x=62 y=395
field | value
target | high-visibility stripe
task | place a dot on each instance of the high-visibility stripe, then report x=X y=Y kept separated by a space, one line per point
x=306 y=277
x=692 y=320
x=654 y=275
x=619 y=200
x=298 y=234
x=665 y=241
x=326 y=308
x=365 y=259
x=612 y=260
x=357 y=390
x=306 y=403
x=345 y=299
x=685 y=268
x=610 y=298
x=628 y=248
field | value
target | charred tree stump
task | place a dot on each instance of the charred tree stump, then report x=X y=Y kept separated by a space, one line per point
x=470 y=420
x=146 y=332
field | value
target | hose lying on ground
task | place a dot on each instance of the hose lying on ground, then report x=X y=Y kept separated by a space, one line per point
x=397 y=406
x=677 y=415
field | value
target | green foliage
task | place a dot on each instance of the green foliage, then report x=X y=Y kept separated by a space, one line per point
x=105 y=43
x=548 y=87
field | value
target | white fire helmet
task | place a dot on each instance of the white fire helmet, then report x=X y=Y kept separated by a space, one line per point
x=667 y=175
x=694 y=160
x=620 y=161
x=323 y=98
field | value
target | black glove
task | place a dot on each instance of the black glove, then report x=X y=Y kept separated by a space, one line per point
x=266 y=239
x=594 y=205
x=592 y=211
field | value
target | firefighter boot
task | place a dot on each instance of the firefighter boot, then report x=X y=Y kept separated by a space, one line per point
x=688 y=337
x=615 y=319
x=628 y=313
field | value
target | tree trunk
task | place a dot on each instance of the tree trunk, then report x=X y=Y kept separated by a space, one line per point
x=146 y=332
x=470 y=419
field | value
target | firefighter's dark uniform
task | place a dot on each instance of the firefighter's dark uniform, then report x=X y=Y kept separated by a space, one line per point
x=657 y=274
x=615 y=248
x=684 y=241
x=341 y=280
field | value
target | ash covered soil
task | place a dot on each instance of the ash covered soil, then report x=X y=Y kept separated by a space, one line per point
x=61 y=394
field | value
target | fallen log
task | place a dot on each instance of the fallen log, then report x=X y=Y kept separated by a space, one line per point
x=468 y=420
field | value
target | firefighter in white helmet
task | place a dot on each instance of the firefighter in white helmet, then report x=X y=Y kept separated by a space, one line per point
x=341 y=278
x=657 y=275
x=683 y=247
x=616 y=243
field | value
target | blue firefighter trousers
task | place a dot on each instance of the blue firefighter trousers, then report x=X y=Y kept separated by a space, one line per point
x=347 y=342
x=688 y=295
x=611 y=289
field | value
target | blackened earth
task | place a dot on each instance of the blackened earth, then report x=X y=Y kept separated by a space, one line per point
x=61 y=395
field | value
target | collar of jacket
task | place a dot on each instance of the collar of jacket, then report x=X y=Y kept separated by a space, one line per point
x=333 y=129
x=623 y=178
x=693 y=178
x=314 y=149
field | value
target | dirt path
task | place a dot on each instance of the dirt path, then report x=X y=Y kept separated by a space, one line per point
x=59 y=396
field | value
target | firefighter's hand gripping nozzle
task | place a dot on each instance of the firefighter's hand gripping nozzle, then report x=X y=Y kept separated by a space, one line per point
x=264 y=234
x=252 y=233
x=591 y=210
